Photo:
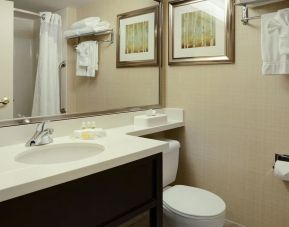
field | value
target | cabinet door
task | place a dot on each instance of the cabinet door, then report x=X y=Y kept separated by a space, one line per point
x=108 y=198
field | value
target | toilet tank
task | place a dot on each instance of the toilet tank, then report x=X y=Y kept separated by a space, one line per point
x=170 y=162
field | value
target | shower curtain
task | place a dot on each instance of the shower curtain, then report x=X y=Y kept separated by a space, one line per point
x=46 y=93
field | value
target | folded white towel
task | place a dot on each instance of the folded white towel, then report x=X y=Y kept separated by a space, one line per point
x=86 y=30
x=281 y=23
x=87 y=59
x=85 y=22
x=273 y=61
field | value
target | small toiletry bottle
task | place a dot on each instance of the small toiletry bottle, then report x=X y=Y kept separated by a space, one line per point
x=93 y=125
x=88 y=125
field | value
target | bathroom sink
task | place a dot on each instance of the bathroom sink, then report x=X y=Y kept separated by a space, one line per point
x=59 y=153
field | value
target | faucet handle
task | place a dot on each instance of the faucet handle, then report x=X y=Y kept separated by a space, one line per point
x=41 y=126
x=50 y=131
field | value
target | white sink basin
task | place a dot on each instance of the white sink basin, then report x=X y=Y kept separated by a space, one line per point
x=59 y=153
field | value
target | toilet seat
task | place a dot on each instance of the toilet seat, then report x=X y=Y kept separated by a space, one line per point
x=193 y=203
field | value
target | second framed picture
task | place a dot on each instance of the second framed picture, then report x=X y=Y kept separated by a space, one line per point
x=138 y=38
x=201 y=32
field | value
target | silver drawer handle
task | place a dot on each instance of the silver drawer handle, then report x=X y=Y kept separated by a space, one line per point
x=4 y=101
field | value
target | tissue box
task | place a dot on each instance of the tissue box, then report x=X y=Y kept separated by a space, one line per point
x=145 y=121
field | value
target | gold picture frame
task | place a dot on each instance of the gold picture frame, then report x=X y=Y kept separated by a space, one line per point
x=201 y=32
x=138 y=38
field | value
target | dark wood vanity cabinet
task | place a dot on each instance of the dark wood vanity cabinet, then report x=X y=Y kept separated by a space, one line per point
x=107 y=198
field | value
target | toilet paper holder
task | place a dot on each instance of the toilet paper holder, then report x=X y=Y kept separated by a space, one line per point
x=281 y=157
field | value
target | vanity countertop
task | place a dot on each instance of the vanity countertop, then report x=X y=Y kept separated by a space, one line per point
x=121 y=146
x=17 y=178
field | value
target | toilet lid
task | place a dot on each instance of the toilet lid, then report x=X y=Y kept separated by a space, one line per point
x=189 y=201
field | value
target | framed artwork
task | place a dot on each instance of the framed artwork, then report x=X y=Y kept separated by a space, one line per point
x=201 y=32
x=138 y=38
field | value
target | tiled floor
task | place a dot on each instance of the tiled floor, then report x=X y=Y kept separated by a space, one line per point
x=143 y=221
x=231 y=224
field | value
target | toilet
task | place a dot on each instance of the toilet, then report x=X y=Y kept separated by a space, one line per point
x=185 y=206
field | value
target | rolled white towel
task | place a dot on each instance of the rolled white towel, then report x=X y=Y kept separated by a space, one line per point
x=101 y=24
x=85 y=22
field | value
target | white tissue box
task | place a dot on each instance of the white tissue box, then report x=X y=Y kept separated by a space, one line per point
x=145 y=121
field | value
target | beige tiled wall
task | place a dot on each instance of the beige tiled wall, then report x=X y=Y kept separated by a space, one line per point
x=114 y=88
x=236 y=119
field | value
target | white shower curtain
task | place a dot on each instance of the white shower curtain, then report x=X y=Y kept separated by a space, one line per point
x=46 y=94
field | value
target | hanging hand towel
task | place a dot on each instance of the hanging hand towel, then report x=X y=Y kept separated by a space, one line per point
x=83 y=54
x=281 y=23
x=87 y=59
x=273 y=62
x=93 y=67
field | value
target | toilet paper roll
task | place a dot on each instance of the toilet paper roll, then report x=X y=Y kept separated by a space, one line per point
x=281 y=170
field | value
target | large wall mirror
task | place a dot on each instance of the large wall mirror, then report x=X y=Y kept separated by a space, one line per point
x=40 y=71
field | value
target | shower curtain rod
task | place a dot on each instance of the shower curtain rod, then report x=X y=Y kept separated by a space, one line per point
x=26 y=12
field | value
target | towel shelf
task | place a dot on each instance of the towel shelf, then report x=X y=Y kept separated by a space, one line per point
x=255 y=2
x=245 y=9
x=101 y=33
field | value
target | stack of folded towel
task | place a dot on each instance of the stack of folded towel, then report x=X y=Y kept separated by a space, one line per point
x=275 y=42
x=86 y=26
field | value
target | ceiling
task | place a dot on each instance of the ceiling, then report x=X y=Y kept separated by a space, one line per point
x=47 y=5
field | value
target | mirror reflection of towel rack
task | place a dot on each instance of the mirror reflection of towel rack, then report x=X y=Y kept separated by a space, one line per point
x=101 y=33
x=245 y=9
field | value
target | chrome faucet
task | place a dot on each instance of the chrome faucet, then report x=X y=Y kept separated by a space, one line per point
x=41 y=136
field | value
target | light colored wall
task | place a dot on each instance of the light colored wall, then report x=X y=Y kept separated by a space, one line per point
x=114 y=88
x=25 y=64
x=236 y=119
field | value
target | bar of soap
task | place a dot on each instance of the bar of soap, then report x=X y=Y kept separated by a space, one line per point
x=89 y=134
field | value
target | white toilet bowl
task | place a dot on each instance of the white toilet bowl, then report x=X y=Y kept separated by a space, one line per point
x=185 y=206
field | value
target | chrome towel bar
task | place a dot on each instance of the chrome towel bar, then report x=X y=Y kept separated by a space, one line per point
x=4 y=101
x=245 y=10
